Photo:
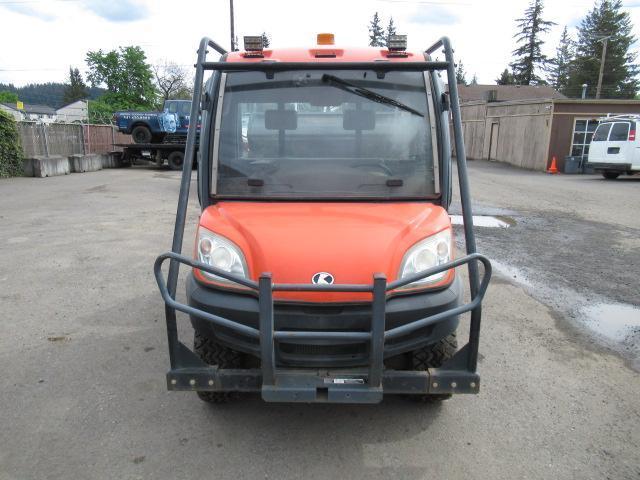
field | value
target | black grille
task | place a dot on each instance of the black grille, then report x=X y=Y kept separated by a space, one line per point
x=300 y=349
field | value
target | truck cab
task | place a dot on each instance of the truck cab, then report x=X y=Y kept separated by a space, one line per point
x=324 y=259
x=181 y=110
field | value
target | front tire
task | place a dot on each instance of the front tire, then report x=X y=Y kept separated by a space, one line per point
x=141 y=134
x=213 y=353
x=610 y=175
x=434 y=356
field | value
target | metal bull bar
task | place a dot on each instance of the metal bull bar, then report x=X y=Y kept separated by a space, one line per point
x=189 y=372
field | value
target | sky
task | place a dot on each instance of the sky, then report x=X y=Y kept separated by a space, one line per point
x=41 y=38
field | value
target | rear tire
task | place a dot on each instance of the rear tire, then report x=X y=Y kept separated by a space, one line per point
x=434 y=356
x=213 y=353
x=175 y=160
x=141 y=134
x=610 y=175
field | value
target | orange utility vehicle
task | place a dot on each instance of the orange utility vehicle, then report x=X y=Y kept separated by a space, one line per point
x=323 y=267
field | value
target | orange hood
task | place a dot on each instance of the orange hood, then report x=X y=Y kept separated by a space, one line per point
x=351 y=241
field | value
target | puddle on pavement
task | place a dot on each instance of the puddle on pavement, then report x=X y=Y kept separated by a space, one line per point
x=616 y=322
x=487 y=221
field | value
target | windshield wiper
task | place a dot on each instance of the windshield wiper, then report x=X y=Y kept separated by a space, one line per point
x=366 y=93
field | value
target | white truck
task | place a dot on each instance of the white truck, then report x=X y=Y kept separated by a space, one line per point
x=615 y=148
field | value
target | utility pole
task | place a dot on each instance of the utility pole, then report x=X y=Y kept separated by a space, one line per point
x=604 y=41
x=233 y=37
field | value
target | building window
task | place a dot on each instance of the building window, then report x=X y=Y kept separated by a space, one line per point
x=582 y=134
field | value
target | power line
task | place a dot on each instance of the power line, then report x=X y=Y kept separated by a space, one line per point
x=24 y=2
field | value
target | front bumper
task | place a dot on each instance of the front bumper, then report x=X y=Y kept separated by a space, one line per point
x=400 y=310
x=281 y=382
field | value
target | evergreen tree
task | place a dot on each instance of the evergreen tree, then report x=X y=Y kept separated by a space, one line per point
x=561 y=64
x=376 y=32
x=529 y=56
x=461 y=75
x=620 y=69
x=76 y=88
x=391 y=30
x=266 y=41
x=49 y=93
x=474 y=80
x=505 y=78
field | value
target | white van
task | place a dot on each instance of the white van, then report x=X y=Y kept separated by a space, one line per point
x=615 y=149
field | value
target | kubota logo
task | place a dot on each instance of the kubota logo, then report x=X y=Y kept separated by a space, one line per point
x=322 y=278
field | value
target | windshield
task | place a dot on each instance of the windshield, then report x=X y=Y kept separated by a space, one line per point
x=325 y=134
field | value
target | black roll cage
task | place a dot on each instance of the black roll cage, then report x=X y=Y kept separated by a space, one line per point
x=458 y=375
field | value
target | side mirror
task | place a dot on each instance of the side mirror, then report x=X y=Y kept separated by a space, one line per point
x=280 y=119
x=359 y=120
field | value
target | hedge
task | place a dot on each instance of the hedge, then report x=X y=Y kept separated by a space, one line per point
x=10 y=149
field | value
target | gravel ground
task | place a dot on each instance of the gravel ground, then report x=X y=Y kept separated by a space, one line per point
x=83 y=346
x=574 y=244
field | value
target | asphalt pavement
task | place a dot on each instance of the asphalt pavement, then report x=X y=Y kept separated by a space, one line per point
x=84 y=357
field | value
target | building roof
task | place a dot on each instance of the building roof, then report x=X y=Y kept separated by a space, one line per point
x=33 y=108
x=82 y=100
x=503 y=93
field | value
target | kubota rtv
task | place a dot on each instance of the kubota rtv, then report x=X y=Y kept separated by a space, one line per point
x=323 y=267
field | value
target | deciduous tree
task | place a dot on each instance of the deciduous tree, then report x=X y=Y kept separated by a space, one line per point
x=172 y=81
x=8 y=97
x=126 y=75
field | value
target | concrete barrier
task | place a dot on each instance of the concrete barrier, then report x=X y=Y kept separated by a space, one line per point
x=110 y=160
x=85 y=163
x=39 y=166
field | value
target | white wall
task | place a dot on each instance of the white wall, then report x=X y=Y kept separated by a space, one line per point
x=74 y=112
x=43 y=118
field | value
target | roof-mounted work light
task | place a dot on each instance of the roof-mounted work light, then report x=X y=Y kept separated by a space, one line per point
x=397 y=43
x=253 y=45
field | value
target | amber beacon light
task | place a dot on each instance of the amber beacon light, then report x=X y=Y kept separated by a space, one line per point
x=326 y=39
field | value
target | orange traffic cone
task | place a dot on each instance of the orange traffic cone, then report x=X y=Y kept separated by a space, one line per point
x=553 y=168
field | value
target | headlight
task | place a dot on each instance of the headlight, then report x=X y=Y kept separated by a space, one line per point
x=221 y=253
x=430 y=252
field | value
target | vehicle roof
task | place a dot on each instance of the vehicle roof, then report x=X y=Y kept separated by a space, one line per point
x=620 y=118
x=325 y=53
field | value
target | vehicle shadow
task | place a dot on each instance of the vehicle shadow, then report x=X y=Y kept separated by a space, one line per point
x=339 y=440
x=623 y=179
